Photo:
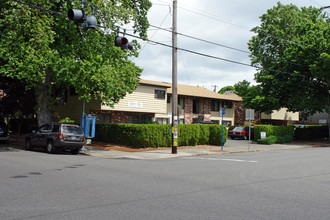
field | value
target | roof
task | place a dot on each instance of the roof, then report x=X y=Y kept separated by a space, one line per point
x=194 y=91
x=155 y=83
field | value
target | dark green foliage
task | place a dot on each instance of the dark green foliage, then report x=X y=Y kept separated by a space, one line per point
x=269 y=140
x=291 y=47
x=188 y=135
x=153 y=135
x=311 y=132
x=275 y=140
x=273 y=130
x=287 y=138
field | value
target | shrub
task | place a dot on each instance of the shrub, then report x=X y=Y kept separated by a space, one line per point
x=275 y=140
x=155 y=135
x=269 y=140
x=311 y=132
x=273 y=130
x=287 y=138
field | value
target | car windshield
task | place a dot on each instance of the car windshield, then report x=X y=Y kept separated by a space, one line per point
x=71 y=129
x=238 y=129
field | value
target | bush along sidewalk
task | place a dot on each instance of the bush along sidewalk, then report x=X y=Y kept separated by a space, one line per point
x=156 y=135
x=275 y=140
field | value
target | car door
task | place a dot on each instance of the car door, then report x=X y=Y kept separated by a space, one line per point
x=42 y=135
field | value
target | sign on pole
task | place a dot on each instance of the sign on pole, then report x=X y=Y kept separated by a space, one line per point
x=249 y=114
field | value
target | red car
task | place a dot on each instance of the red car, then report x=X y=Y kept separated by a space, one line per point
x=241 y=132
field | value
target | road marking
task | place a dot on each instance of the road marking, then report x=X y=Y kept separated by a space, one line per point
x=231 y=160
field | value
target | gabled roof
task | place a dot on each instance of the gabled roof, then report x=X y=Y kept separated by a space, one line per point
x=154 y=83
x=193 y=91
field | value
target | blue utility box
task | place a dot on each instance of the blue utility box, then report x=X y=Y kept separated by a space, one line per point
x=87 y=123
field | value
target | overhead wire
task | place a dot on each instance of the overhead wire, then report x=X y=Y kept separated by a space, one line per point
x=159 y=43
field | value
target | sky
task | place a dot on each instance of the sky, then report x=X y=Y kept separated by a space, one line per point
x=223 y=22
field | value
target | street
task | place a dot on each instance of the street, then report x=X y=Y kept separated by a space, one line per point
x=287 y=184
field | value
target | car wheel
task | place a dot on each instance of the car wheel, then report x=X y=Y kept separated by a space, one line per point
x=50 y=147
x=28 y=145
x=75 y=151
x=232 y=138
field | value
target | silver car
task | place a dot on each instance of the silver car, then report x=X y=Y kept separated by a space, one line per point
x=54 y=136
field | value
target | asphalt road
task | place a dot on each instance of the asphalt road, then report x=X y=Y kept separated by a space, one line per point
x=290 y=184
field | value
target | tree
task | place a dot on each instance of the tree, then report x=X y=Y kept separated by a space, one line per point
x=15 y=99
x=253 y=98
x=291 y=50
x=226 y=89
x=41 y=46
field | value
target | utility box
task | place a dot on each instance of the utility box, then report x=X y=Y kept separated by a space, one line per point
x=87 y=123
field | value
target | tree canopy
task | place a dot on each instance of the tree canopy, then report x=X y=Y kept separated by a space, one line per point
x=291 y=49
x=226 y=89
x=45 y=49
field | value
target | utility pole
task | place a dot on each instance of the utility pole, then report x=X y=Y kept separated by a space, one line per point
x=174 y=81
x=215 y=88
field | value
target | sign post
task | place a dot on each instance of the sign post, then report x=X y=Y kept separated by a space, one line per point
x=249 y=115
x=222 y=113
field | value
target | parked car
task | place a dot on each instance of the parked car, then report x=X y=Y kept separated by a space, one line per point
x=241 y=132
x=4 y=132
x=55 y=136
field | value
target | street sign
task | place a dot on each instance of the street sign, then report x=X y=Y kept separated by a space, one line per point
x=222 y=112
x=249 y=114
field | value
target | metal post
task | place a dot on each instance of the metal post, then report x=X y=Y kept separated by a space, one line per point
x=249 y=129
x=222 y=113
x=174 y=82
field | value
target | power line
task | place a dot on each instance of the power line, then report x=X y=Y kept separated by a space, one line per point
x=159 y=43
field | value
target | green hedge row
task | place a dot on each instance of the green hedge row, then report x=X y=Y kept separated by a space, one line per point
x=275 y=140
x=311 y=132
x=272 y=130
x=154 y=135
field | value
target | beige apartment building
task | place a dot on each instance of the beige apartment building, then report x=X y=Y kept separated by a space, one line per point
x=152 y=102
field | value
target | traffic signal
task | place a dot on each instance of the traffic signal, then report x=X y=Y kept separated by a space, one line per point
x=78 y=16
x=123 y=43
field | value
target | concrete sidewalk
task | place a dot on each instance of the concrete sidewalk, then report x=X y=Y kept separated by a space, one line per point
x=238 y=147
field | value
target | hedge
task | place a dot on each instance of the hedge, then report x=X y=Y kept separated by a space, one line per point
x=311 y=132
x=154 y=135
x=273 y=130
x=275 y=140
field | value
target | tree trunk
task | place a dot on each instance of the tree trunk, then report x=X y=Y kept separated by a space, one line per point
x=44 y=108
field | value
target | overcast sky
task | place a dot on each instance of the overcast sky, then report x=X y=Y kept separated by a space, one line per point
x=223 y=22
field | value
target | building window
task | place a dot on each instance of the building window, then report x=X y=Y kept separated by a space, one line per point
x=168 y=98
x=162 y=120
x=160 y=94
x=104 y=118
x=133 y=119
x=197 y=106
x=227 y=104
x=139 y=119
x=215 y=106
x=227 y=123
x=181 y=102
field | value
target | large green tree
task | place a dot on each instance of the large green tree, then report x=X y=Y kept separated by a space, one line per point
x=41 y=46
x=291 y=49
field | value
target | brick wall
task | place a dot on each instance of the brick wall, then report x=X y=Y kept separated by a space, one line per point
x=207 y=110
x=188 y=110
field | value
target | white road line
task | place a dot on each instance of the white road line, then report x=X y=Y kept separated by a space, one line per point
x=232 y=160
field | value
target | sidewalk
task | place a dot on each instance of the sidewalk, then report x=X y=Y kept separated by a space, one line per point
x=238 y=147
